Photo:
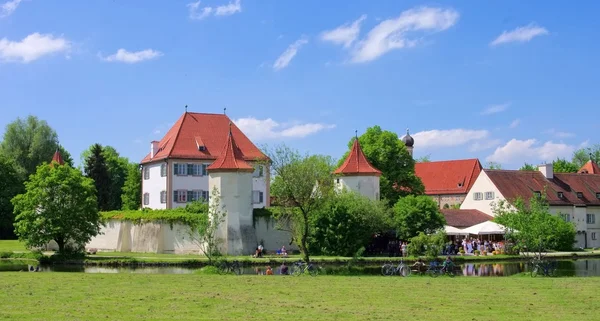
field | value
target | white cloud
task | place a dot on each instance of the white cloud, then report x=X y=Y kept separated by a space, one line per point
x=32 y=47
x=484 y=144
x=392 y=34
x=493 y=109
x=125 y=56
x=289 y=54
x=344 y=34
x=515 y=123
x=8 y=8
x=516 y=151
x=449 y=137
x=520 y=34
x=264 y=129
x=559 y=134
x=198 y=13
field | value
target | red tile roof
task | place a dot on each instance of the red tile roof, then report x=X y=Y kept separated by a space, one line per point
x=230 y=158
x=448 y=177
x=513 y=184
x=464 y=218
x=211 y=130
x=356 y=163
x=590 y=168
x=57 y=158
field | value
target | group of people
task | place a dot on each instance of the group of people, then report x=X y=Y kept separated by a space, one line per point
x=448 y=264
x=283 y=270
x=470 y=245
x=260 y=251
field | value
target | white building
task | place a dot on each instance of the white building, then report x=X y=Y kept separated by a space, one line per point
x=573 y=196
x=358 y=175
x=175 y=171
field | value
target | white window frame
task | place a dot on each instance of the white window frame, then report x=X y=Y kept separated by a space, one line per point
x=565 y=217
x=146 y=198
x=258 y=171
x=478 y=196
x=146 y=173
x=163 y=197
x=590 y=218
x=489 y=195
x=180 y=196
x=180 y=169
x=258 y=197
x=163 y=170
x=594 y=236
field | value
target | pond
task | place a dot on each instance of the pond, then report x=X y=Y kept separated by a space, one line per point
x=583 y=268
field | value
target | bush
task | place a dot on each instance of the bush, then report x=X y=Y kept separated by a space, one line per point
x=415 y=214
x=429 y=245
x=192 y=215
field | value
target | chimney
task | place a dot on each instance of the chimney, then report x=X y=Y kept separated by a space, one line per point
x=153 y=148
x=547 y=170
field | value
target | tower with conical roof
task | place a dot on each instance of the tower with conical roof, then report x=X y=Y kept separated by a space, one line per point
x=231 y=175
x=357 y=174
x=57 y=158
x=409 y=142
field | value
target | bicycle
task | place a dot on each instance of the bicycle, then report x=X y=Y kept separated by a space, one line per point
x=301 y=267
x=434 y=270
x=225 y=267
x=389 y=269
x=547 y=268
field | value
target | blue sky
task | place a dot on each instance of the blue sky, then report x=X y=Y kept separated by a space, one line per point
x=505 y=81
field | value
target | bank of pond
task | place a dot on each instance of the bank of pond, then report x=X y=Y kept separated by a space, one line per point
x=565 y=268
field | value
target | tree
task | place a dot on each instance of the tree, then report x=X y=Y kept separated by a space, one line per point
x=302 y=184
x=59 y=204
x=96 y=169
x=528 y=167
x=346 y=223
x=561 y=165
x=117 y=171
x=387 y=153
x=208 y=229
x=430 y=245
x=582 y=155
x=10 y=186
x=415 y=214
x=423 y=159
x=29 y=143
x=132 y=189
x=532 y=228
x=493 y=165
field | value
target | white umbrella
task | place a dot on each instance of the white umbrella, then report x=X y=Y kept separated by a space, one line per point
x=485 y=228
x=451 y=230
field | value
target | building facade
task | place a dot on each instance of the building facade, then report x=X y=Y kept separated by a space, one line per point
x=357 y=174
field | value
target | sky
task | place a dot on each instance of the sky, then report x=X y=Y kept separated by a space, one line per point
x=503 y=81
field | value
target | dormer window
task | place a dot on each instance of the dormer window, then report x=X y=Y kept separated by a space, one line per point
x=579 y=195
x=200 y=144
x=598 y=196
x=561 y=195
x=460 y=184
x=537 y=194
x=201 y=148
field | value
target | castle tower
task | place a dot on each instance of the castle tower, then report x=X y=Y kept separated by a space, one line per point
x=409 y=142
x=232 y=176
x=57 y=158
x=357 y=174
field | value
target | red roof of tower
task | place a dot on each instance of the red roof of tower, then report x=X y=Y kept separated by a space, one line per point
x=211 y=130
x=448 y=177
x=230 y=158
x=590 y=168
x=356 y=163
x=57 y=158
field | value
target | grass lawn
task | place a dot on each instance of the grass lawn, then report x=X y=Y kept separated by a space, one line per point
x=78 y=296
x=11 y=246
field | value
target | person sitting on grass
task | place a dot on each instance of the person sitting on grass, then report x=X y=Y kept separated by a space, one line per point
x=283 y=252
x=284 y=269
x=419 y=264
x=269 y=271
x=448 y=265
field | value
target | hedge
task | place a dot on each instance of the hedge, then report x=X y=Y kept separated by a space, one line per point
x=170 y=216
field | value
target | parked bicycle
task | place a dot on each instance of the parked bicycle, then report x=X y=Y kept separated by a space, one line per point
x=301 y=267
x=435 y=269
x=401 y=269
x=226 y=267
x=543 y=267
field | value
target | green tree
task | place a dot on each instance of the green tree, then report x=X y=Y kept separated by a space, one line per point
x=59 y=204
x=302 y=184
x=430 y=245
x=561 y=165
x=582 y=155
x=423 y=159
x=96 y=169
x=387 y=153
x=131 y=196
x=29 y=143
x=10 y=186
x=493 y=165
x=346 y=223
x=528 y=167
x=415 y=214
x=531 y=226
x=208 y=229
x=117 y=171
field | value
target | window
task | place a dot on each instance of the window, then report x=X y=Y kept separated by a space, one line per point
x=478 y=196
x=163 y=197
x=537 y=194
x=146 y=172
x=593 y=236
x=561 y=195
x=257 y=197
x=258 y=171
x=598 y=196
x=591 y=219
x=146 y=198
x=579 y=195
x=163 y=170
x=565 y=217
x=180 y=196
x=337 y=180
x=205 y=196
x=180 y=169
x=489 y=195
x=460 y=184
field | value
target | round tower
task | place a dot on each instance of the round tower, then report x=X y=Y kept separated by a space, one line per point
x=357 y=174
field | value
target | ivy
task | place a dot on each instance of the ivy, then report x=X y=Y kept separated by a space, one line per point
x=193 y=215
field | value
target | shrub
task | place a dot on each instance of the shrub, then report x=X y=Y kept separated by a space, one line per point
x=430 y=245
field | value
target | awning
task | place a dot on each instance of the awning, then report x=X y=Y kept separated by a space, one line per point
x=485 y=228
x=451 y=230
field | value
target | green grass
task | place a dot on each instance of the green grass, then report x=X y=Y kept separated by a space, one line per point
x=78 y=296
x=12 y=246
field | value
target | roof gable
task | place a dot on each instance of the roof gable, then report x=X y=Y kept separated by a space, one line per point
x=448 y=177
x=193 y=130
x=230 y=158
x=356 y=163
x=590 y=168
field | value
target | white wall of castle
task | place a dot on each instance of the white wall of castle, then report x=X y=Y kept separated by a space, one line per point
x=154 y=185
x=476 y=198
x=367 y=186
